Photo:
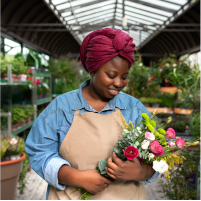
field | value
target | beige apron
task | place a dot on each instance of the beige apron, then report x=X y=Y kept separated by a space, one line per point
x=92 y=137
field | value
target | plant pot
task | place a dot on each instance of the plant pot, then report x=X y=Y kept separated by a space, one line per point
x=22 y=77
x=160 y=110
x=168 y=89
x=10 y=171
x=16 y=126
x=182 y=111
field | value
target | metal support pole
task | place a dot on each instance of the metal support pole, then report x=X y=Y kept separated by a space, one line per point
x=10 y=117
x=140 y=41
x=3 y=46
x=34 y=95
x=9 y=71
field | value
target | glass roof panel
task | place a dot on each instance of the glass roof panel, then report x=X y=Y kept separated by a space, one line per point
x=95 y=15
x=147 y=8
x=132 y=20
x=100 y=20
x=63 y=6
x=69 y=18
x=96 y=18
x=56 y=2
x=95 y=10
x=181 y=2
x=71 y=21
x=141 y=12
x=97 y=5
x=163 y=4
x=80 y=2
x=66 y=14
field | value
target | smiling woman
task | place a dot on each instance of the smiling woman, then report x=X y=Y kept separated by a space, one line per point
x=65 y=141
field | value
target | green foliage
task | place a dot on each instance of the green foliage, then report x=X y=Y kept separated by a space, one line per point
x=195 y=125
x=167 y=99
x=18 y=66
x=22 y=178
x=150 y=100
x=18 y=115
x=138 y=78
x=3 y=65
x=4 y=146
x=180 y=186
x=31 y=61
x=67 y=73
x=15 y=149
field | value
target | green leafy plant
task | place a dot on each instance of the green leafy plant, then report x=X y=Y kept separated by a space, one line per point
x=167 y=99
x=180 y=185
x=195 y=125
x=18 y=115
x=4 y=146
x=68 y=73
x=138 y=78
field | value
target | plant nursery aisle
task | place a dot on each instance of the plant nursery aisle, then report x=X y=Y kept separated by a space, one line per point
x=36 y=189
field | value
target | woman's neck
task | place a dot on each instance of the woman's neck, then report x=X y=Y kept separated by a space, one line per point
x=93 y=99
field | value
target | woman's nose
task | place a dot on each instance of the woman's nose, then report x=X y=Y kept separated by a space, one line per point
x=118 y=82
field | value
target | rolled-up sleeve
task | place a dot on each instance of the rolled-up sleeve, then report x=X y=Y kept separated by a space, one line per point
x=151 y=179
x=42 y=146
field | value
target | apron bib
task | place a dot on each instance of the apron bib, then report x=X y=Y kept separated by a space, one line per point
x=92 y=137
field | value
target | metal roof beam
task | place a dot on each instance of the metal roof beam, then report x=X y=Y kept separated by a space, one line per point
x=115 y=10
x=153 y=5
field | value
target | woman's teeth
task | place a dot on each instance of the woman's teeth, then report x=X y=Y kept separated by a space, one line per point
x=114 y=90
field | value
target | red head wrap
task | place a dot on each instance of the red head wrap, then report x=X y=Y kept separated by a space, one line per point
x=102 y=45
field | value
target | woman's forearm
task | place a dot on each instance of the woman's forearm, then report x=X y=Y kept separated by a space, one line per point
x=147 y=172
x=69 y=176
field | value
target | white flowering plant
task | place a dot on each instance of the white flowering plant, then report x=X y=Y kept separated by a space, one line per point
x=149 y=145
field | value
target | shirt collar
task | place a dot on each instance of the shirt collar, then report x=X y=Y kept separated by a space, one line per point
x=80 y=102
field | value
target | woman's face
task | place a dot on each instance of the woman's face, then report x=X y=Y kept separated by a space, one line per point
x=110 y=78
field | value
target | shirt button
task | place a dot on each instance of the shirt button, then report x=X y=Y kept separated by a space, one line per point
x=111 y=105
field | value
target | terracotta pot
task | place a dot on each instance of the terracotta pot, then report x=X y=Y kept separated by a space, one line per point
x=10 y=171
x=160 y=110
x=182 y=111
x=168 y=89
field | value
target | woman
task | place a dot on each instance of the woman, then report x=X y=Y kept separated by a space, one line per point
x=81 y=127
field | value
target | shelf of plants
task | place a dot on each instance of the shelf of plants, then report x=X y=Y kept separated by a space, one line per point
x=13 y=119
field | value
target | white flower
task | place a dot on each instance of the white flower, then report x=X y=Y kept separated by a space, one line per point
x=45 y=85
x=145 y=144
x=140 y=64
x=160 y=166
x=167 y=64
x=151 y=155
x=174 y=65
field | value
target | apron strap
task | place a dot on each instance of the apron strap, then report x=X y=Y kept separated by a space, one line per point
x=77 y=112
x=117 y=110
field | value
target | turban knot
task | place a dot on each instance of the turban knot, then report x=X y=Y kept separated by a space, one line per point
x=102 y=45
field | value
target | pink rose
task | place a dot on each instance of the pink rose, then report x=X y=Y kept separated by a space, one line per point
x=33 y=82
x=38 y=81
x=30 y=71
x=131 y=152
x=156 y=148
x=149 y=136
x=172 y=144
x=170 y=133
x=180 y=143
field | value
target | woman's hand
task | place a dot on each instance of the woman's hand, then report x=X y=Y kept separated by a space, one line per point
x=128 y=170
x=93 y=182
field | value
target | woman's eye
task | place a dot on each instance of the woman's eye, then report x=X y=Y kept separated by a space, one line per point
x=124 y=78
x=111 y=76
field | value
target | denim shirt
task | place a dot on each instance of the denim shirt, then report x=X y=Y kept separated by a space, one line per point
x=52 y=125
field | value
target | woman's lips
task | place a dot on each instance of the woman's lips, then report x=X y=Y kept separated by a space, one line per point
x=113 y=92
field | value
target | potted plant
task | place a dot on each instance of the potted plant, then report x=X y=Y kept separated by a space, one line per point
x=11 y=165
x=18 y=117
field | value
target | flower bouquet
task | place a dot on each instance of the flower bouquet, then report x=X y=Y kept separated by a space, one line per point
x=149 y=145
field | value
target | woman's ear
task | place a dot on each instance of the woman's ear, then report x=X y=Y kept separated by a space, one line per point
x=93 y=73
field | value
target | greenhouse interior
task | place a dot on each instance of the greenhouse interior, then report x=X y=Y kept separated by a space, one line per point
x=40 y=61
